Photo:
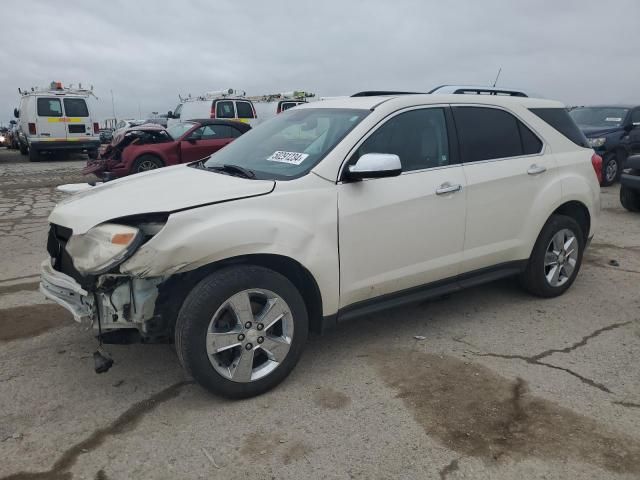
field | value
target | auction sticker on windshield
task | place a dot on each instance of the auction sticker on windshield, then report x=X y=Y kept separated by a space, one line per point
x=294 y=158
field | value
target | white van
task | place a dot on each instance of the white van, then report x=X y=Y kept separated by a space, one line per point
x=56 y=119
x=225 y=104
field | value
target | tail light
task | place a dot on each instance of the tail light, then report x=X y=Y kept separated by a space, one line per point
x=96 y=128
x=32 y=129
x=596 y=161
x=213 y=110
x=279 y=107
x=254 y=111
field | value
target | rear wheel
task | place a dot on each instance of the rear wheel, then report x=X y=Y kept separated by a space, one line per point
x=34 y=155
x=630 y=199
x=145 y=163
x=241 y=331
x=610 y=169
x=555 y=259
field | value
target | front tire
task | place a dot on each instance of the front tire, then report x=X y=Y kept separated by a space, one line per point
x=630 y=199
x=610 y=169
x=23 y=150
x=556 y=258
x=34 y=155
x=92 y=154
x=241 y=331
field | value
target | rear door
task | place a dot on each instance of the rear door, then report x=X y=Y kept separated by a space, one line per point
x=634 y=133
x=204 y=141
x=245 y=112
x=78 y=122
x=506 y=169
x=50 y=120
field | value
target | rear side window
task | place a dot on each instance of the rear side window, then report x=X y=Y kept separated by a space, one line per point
x=244 y=110
x=560 y=119
x=490 y=133
x=75 y=107
x=215 y=132
x=49 y=107
x=224 y=109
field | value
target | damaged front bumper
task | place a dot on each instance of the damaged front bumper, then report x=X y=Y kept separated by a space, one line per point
x=119 y=302
x=68 y=293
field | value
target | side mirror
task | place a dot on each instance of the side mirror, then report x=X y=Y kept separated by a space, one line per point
x=169 y=114
x=375 y=165
x=16 y=113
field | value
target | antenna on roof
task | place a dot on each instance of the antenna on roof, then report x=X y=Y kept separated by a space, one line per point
x=497 y=76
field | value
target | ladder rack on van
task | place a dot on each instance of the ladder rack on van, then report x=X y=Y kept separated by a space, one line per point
x=230 y=92
x=272 y=97
x=56 y=88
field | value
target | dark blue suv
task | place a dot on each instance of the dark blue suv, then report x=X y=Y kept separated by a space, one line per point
x=614 y=133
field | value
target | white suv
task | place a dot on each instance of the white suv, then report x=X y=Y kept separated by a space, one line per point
x=328 y=211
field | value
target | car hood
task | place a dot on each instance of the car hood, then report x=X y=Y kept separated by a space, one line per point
x=164 y=190
x=599 y=131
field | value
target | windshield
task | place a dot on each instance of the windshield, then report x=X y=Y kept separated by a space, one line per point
x=291 y=144
x=178 y=129
x=599 y=116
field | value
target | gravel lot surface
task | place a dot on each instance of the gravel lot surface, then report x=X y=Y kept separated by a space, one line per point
x=489 y=383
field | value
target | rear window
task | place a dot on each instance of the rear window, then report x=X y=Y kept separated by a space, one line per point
x=560 y=119
x=224 y=109
x=49 y=107
x=75 y=107
x=287 y=105
x=244 y=110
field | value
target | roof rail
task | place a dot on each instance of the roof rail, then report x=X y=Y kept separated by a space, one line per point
x=478 y=90
x=382 y=93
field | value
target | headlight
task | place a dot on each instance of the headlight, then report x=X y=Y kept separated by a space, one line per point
x=103 y=247
x=597 y=142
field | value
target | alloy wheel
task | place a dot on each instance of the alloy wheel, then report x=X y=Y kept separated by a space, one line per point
x=611 y=170
x=561 y=258
x=250 y=335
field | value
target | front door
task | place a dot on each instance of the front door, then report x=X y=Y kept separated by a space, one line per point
x=50 y=120
x=634 y=133
x=405 y=231
x=204 y=141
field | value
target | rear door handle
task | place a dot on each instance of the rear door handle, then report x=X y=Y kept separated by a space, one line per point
x=448 y=188
x=536 y=169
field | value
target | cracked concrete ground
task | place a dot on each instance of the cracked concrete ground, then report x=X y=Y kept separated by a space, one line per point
x=502 y=386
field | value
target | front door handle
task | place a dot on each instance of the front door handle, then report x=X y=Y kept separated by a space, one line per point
x=536 y=169
x=448 y=188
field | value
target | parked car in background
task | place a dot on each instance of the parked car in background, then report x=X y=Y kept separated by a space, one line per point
x=630 y=184
x=224 y=105
x=57 y=119
x=127 y=123
x=613 y=131
x=326 y=212
x=151 y=146
x=4 y=137
x=106 y=135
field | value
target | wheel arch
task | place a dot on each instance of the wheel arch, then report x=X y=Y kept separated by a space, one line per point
x=178 y=286
x=579 y=212
x=149 y=154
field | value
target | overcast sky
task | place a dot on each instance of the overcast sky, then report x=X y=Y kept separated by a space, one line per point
x=147 y=52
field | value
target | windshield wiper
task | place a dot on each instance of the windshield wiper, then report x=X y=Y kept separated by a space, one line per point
x=234 y=170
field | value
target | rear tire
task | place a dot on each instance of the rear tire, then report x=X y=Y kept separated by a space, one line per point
x=145 y=163
x=630 y=198
x=215 y=337
x=34 y=155
x=610 y=169
x=549 y=274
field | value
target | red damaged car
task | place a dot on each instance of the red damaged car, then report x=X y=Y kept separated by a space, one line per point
x=151 y=146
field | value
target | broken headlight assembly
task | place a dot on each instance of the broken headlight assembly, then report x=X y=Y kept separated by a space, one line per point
x=103 y=247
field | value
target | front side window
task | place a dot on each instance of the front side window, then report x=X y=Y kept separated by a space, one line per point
x=290 y=144
x=214 y=132
x=49 y=107
x=75 y=107
x=224 y=109
x=418 y=137
x=176 y=112
x=244 y=110
x=490 y=133
x=179 y=129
